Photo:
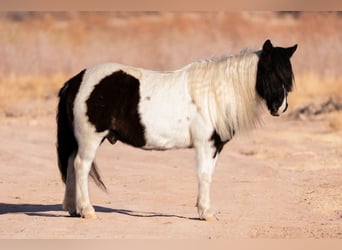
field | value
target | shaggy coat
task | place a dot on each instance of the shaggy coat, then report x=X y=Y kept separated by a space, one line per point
x=202 y=105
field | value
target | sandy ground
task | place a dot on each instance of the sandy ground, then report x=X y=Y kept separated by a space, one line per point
x=283 y=180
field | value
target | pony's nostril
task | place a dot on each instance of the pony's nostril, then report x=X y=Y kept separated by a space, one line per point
x=275 y=108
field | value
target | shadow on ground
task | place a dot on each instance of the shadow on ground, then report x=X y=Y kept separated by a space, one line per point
x=46 y=211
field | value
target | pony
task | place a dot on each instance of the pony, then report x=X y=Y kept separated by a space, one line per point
x=201 y=106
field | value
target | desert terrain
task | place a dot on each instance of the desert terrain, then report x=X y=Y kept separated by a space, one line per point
x=281 y=180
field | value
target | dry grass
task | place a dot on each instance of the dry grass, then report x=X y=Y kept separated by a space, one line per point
x=46 y=43
x=29 y=86
x=310 y=88
x=17 y=91
x=40 y=51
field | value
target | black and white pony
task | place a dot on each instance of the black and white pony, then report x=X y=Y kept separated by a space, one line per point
x=201 y=105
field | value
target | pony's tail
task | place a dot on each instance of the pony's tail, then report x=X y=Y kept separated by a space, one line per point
x=66 y=141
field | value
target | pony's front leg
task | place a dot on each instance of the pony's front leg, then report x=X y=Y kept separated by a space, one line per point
x=206 y=160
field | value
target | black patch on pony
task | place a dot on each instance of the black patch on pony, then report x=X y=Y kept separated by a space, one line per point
x=274 y=73
x=218 y=143
x=113 y=106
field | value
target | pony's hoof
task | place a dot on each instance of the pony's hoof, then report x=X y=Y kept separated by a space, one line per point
x=211 y=217
x=72 y=211
x=74 y=214
x=88 y=212
x=92 y=216
x=206 y=214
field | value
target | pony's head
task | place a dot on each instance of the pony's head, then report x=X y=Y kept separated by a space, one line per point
x=275 y=76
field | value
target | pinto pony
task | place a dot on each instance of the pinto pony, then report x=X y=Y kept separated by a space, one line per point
x=201 y=105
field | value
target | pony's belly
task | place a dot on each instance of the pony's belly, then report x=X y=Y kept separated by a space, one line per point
x=168 y=138
x=167 y=126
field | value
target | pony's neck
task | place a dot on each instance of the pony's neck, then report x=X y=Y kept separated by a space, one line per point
x=224 y=91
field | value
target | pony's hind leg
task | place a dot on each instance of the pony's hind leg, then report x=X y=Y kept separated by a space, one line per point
x=82 y=165
x=69 y=203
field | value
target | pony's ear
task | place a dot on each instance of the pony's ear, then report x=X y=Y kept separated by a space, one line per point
x=267 y=46
x=265 y=58
x=291 y=50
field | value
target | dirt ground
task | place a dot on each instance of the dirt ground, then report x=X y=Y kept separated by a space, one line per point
x=282 y=180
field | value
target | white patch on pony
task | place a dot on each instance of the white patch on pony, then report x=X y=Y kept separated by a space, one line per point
x=282 y=107
x=224 y=90
x=166 y=109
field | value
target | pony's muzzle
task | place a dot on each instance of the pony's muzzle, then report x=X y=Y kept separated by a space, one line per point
x=275 y=113
x=278 y=111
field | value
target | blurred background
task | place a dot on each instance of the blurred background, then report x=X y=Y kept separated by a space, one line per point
x=39 y=51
